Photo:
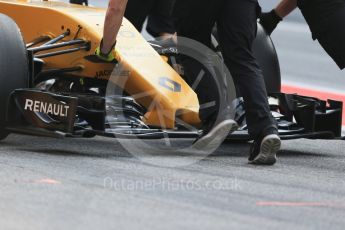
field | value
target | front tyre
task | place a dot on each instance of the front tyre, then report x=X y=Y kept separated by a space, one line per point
x=13 y=66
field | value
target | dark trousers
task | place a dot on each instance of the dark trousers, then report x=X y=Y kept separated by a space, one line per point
x=333 y=38
x=236 y=21
x=158 y=13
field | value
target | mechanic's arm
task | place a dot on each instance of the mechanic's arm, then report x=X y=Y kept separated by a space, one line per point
x=112 y=24
x=271 y=19
x=285 y=7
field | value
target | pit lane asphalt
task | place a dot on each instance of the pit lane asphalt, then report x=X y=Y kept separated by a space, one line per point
x=94 y=184
x=60 y=184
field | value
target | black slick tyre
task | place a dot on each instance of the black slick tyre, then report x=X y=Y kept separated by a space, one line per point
x=13 y=66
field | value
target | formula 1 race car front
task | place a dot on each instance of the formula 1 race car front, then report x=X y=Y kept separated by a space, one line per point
x=53 y=85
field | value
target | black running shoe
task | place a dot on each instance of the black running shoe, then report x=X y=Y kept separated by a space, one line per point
x=264 y=150
x=211 y=139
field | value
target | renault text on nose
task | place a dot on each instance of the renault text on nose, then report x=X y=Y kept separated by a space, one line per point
x=47 y=108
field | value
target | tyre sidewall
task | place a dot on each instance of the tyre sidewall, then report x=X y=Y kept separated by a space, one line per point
x=13 y=66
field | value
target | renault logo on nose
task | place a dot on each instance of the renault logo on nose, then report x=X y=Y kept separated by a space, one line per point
x=170 y=84
x=47 y=108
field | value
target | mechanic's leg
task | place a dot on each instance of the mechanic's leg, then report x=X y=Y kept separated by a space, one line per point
x=237 y=31
x=333 y=39
x=195 y=19
x=160 y=22
x=137 y=11
x=192 y=23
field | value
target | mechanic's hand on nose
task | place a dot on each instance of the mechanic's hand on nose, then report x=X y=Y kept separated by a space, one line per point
x=270 y=21
x=107 y=56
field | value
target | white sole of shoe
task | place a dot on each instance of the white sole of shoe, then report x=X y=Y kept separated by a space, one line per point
x=270 y=145
x=216 y=136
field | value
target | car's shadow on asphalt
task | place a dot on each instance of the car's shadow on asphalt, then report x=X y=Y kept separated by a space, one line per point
x=96 y=147
x=112 y=148
x=64 y=153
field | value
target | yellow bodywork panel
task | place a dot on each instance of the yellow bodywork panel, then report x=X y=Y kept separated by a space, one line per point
x=166 y=93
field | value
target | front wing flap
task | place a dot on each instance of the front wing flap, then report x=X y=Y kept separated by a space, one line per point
x=301 y=117
x=43 y=109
